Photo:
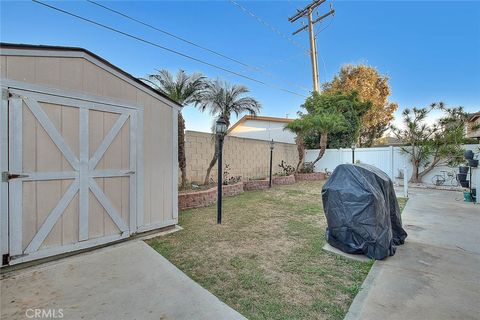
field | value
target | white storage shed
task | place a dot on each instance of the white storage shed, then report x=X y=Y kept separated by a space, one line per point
x=88 y=153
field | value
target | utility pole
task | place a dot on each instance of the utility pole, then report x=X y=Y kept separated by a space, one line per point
x=308 y=12
x=313 y=51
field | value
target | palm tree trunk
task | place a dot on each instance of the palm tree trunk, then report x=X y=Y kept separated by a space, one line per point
x=323 y=147
x=301 y=151
x=182 y=161
x=215 y=155
x=212 y=164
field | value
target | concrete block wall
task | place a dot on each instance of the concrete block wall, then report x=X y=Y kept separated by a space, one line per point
x=248 y=158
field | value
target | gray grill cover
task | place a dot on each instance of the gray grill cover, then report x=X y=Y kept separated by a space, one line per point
x=362 y=211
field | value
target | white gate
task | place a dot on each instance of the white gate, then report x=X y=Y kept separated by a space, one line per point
x=72 y=172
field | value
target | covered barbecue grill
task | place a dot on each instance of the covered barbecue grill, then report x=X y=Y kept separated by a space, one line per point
x=362 y=211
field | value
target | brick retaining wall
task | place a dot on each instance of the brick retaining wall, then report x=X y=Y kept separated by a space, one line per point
x=310 y=176
x=232 y=189
x=256 y=184
x=283 y=180
x=204 y=198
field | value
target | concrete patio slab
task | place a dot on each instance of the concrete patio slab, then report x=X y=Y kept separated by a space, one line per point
x=124 y=281
x=436 y=274
x=356 y=257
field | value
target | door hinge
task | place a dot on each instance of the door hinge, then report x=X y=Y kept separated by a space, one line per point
x=5 y=259
x=7 y=176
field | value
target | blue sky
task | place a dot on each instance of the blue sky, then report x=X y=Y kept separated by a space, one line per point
x=429 y=49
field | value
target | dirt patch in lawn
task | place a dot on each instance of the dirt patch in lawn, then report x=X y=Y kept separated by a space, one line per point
x=266 y=259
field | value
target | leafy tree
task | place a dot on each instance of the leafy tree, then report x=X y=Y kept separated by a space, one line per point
x=434 y=145
x=320 y=120
x=370 y=86
x=223 y=99
x=184 y=89
x=352 y=110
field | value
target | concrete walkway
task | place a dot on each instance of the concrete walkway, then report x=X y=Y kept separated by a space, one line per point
x=124 y=281
x=436 y=274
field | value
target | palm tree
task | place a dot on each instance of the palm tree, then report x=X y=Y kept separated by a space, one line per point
x=184 y=89
x=223 y=99
x=323 y=124
x=299 y=141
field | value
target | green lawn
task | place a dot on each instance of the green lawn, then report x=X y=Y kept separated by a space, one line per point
x=266 y=259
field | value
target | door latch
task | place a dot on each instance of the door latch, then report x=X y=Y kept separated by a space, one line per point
x=7 y=176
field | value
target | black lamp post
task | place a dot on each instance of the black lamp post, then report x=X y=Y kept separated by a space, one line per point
x=272 y=145
x=220 y=130
x=353 y=152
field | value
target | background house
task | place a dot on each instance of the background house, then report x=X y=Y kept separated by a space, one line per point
x=473 y=126
x=387 y=141
x=262 y=128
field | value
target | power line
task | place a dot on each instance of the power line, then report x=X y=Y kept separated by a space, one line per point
x=328 y=25
x=301 y=54
x=321 y=56
x=244 y=64
x=268 y=25
x=167 y=33
x=165 y=48
x=324 y=68
x=307 y=12
x=274 y=30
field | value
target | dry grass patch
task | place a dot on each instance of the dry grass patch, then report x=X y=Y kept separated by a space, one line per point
x=266 y=259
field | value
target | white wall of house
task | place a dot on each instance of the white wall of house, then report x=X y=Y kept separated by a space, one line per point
x=263 y=130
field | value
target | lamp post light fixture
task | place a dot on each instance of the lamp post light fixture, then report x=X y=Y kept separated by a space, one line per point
x=220 y=130
x=272 y=145
x=353 y=152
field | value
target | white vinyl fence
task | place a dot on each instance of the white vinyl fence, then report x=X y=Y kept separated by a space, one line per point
x=391 y=160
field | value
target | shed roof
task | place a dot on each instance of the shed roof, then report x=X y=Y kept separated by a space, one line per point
x=22 y=46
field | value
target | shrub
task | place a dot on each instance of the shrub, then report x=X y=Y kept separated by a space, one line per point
x=227 y=179
x=287 y=169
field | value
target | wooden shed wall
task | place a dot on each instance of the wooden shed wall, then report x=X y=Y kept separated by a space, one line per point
x=82 y=75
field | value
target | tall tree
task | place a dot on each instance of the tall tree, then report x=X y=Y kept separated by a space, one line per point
x=223 y=99
x=349 y=106
x=297 y=129
x=370 y=86
x=185 y=89
x=320 y=120
x=434 y=145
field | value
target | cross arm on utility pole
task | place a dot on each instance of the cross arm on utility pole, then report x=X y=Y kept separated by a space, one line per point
x=315 y=21
x=305 y=10
x=308 y=12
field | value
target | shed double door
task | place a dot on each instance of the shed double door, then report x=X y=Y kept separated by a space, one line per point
x=72 y=173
